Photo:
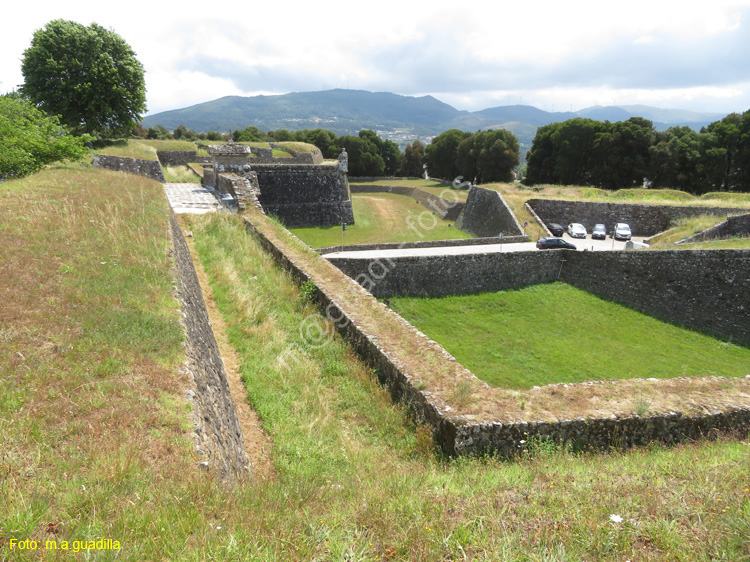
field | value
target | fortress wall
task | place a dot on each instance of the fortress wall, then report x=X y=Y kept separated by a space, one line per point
x=180 y=157
x=644 y=220
x=487 y=214
x=707 y=291
x=738 y=225
x=464 y=274
x=149 y=168
x=304 y=195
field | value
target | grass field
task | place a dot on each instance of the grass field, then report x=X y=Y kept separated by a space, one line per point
x=556 y=333
x=383 y=217
x=96 y=441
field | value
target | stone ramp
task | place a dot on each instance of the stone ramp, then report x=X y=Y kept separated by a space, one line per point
x=191 y=198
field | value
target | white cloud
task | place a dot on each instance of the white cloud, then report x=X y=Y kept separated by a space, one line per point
x=468 y=54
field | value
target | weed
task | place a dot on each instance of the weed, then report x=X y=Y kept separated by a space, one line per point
x=309 y=291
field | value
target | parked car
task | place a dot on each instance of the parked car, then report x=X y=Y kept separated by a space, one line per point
x=554 y=244
x=556 y=229
x=621 y=231
x=577 y=230
x=599 y=232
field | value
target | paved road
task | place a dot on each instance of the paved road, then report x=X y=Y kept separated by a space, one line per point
x=190 y=198
x=581 y=244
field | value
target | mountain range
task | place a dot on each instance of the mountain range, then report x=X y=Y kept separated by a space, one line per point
x=346 y=112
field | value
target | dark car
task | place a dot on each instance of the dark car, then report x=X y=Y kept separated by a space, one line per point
x=599 y=232
x=554 y=244
x=556 y=229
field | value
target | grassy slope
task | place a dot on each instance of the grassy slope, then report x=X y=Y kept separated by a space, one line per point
x=556 y=333
x=383 y=217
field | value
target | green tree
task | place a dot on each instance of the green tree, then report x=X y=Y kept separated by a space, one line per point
x=386 y=149
x=158 y=132
x=281 y=135
x=30 y=139
x=488 y=155
x=678 y=160
x=441 y=154
x=250 y=134
x=89 y=76
x=723 y=143
x=413 y=160
x=364 y=159
x=326 y=141
x=621 y=154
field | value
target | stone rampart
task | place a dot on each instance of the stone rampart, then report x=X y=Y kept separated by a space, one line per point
x=217 y=427
x=462 y=274
x=707 y=291
x=424 y=244
x=304 y=195
x=738 y=225
x=180 y=157
x=149 y=168
x=644 y=220
x=243 y=189
x=487 y=214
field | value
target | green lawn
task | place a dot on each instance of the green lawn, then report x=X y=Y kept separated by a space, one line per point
x=383 y=217
x=559 y=334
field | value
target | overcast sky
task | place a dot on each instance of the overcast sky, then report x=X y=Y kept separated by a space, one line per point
x=556 y=55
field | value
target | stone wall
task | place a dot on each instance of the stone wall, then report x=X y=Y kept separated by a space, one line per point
x=644 y=220
x=591 y=434
x=738 y=225
x=217 y=427
x=304 y=195
x=244 y=189
x=487 y=214
x=446 y=208
x=180 y=157
x=425 y=244
x=148 y=168
x=708 y=291
x=462 y=274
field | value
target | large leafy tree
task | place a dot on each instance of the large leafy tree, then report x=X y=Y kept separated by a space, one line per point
x=30 y=139
x=488 y=155
x=442 y=152
x=413 y=161
x=89 y=76
x=677 y=160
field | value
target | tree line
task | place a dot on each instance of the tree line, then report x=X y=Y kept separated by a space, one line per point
x=628 y=153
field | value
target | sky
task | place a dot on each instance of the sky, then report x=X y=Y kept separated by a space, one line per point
x=555 y=55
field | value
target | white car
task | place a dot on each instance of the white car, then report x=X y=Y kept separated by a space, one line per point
x=577 y=230
x=621 y=231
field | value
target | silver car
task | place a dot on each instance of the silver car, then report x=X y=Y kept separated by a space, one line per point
x=622 y=231
x=577 y=230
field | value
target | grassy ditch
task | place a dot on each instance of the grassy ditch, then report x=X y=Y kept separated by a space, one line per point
x=384 y=217
x=556 y=333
